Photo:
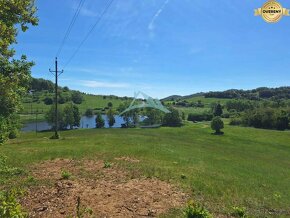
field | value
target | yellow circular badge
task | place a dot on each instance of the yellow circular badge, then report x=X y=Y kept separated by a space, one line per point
x=272 y=11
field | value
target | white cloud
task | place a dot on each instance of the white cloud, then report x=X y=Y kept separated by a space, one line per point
x=98 y=84
x=151 y=25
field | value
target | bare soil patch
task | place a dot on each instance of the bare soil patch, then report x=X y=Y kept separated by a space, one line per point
x=109 y=192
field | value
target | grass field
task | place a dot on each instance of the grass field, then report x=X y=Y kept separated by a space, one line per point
x=246 y=167
x=90 y=101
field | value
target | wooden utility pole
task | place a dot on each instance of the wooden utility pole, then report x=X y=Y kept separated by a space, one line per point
x=56 y=73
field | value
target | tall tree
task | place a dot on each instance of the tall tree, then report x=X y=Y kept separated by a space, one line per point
x=110 y=117
x=14 y=74
x=218 y=111
x=217 y=124
x=100 y=122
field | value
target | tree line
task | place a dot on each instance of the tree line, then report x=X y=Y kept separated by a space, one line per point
x=254 y=94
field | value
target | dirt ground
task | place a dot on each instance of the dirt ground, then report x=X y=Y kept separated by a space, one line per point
x=107 y=192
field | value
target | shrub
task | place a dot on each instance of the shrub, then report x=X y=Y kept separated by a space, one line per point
x=217 y=124
x=48 y=101
x=235 y=121
x=266 y=118
x=226 y=115
x=89 y=112
x=218 y=111
x=77 y=97
x=111 y=118
x=9 y=206
x=172 y=119
x=196 y=211
x=206 y=116
x=100 y=123
x=282 y=122
x=7 y=170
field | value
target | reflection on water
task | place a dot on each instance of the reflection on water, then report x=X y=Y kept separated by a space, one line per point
x=86 y=123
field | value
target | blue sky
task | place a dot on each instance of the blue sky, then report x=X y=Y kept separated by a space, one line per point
x=161 y=47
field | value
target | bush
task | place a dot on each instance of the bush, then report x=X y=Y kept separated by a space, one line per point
x=9 y=206
x=266 y=118
x=218 y=111
x=100 y=122
x=111 y=118
x=217 y=124
x=77 y=97
x=282 y=122
x=196 y=211
x=206 y=116
x=226 y=115
x=89 y=112
x=6 y=170
x=235 y=121
x=172 y=119
x=48 y=101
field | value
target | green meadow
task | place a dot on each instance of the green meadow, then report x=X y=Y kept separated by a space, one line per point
x=245 y=167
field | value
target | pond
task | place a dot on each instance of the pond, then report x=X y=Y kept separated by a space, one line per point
x=86 y=123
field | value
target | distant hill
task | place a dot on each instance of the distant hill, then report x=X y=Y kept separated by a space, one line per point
x=254 y=94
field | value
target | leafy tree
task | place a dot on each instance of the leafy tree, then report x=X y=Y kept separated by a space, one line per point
x=111 y=118
x=282 y=121
x=68 y=115
x=42 y=84
x=14 y=74
x=100 y=123
x=172 y=119
x=266 y=118
x=71 y=115
x=127 y=117
x=48 y=101
x=154 y=116
x=197 y=117
x=61 y=99
x=218 y=111
x=89 y=112
x=77 y=116
x=77 y=97
x=65 y=89
x=50 y=118
x=14 y=14
x=110 y=104
x=217 y=124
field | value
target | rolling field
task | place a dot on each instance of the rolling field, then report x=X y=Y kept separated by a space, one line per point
x=246 y=167
x=90 y=101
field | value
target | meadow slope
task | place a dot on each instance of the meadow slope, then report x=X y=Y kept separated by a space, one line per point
x=246 y=167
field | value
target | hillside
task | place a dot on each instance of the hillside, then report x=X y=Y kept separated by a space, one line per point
x=40 y=99
x=242 y=168
x=254 y=94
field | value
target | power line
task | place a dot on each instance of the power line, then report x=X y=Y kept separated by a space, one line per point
x=109 y=3
x=81 y=3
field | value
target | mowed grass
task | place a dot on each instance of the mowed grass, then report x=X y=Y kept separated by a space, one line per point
x=246 y=167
